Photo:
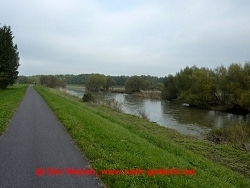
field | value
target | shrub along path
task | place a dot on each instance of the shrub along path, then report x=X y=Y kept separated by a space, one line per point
x=36 y=151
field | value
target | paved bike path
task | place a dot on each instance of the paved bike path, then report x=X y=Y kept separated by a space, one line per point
x=36 y=151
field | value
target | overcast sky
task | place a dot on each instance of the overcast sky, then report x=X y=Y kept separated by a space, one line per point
x=127 y=37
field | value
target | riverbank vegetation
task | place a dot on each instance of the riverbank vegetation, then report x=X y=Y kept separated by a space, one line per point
x=224 y=88
x=220 y=89
x=114 y=140
x=237 y=135
x=10 y=98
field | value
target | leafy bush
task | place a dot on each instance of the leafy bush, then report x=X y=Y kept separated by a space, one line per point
x=134 y=84
x=87 y=97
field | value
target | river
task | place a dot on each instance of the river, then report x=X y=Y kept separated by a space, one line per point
x=186 y=120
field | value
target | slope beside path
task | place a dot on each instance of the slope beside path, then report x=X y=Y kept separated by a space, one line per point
x=36 y=151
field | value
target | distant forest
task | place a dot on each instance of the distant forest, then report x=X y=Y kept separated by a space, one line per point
x=82 y=79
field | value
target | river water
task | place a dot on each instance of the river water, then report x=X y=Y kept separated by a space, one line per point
x=186 y=120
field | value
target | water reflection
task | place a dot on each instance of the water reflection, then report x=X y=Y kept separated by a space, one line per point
x=189 y=121
x=75 y=91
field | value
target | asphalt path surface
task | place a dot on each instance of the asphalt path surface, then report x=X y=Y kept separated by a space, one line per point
x=36 y=150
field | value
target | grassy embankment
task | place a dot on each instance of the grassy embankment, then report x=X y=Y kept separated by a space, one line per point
x=112 y=140
x=9 y=101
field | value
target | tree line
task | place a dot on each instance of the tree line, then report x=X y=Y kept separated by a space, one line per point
x=225 y=88
x=51 y=81
x=120 y=81
x=96 y=82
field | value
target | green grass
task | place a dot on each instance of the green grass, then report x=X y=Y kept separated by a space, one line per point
x=113 y=140
x=9 y=101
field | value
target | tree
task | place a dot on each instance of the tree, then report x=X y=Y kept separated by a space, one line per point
x=52 y=81
x=221 y=82
x=95 y=82
x=146 y=85
x=134 y=84
x=120 y=80
x=169 y=91
x=159 y=86
x=183 y=78
x=239 y=85
x=9 y=58
x=110 y=82
x=201 y=90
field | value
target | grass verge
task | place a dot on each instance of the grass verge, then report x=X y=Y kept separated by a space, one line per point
x=113 y=140
x=9 y=101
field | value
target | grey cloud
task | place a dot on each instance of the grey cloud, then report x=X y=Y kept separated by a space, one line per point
x=137 y=37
